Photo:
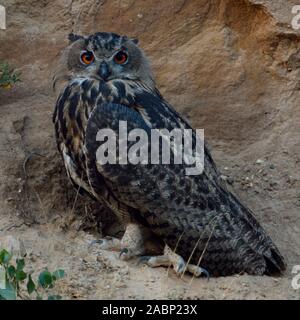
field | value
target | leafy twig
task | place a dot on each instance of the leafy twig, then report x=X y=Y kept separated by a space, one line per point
x=15 y=276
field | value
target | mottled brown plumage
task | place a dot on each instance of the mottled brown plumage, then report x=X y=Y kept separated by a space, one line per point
x=195 y=216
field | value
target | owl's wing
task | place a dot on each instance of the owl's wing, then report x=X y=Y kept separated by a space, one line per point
x=192 y=214
x=160 y=114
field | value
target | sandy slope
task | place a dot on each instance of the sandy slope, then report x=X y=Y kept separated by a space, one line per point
x=231 y=67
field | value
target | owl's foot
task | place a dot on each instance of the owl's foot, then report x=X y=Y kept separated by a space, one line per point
x=133 y=241
x=108 y=243
x=177 y=262
x=131 y=245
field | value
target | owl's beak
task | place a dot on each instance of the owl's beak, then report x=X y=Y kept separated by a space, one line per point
x=104 y=71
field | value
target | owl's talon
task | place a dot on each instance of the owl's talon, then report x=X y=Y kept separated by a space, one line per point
x=197 y=271
x=205 y=273
x=93 y=243
x=125 y=254
x=172 y=259
x=144 y=259
x=99 y=241
x=108 y=243
x=179 y=266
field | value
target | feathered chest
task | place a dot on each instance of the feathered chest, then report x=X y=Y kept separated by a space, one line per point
x=71 y=115
x=79 y=98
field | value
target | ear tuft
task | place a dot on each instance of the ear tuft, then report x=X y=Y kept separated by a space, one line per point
x=74 y=37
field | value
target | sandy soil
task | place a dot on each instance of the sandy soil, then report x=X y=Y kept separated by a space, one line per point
x=58 y=241
x=231 y=67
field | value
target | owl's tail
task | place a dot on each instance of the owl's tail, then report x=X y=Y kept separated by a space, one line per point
x=274 y=261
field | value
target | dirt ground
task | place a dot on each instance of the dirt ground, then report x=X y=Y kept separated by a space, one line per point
x=231 y=67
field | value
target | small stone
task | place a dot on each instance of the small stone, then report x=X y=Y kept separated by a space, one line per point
x=273 y=184
x=259 y=161
x=140 y=16
x=272 y=166
x=76 y=295
x=256 y=190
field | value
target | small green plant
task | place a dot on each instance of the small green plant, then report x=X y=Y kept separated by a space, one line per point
x=8 y=77
x=13 y=278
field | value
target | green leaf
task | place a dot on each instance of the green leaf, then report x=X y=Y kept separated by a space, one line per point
x=11 y=271
x=20 y=264
x=30 y=285
x=4 y=257
x=21 y=275
x=45 y=279
x=6 y=294
x=9 y=293
x=7 y=75
x=58 y=274
x=54 y=297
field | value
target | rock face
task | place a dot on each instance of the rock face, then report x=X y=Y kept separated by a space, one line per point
x=230 y=66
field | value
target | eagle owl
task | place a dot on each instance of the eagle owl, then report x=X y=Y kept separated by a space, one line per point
x=105 y=78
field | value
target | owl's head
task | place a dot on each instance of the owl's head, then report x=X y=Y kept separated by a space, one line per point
x=106 y=56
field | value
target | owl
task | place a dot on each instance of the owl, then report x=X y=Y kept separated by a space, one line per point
x=104 y=79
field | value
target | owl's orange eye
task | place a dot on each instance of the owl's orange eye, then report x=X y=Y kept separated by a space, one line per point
x=121 y=57
x=87 y=57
